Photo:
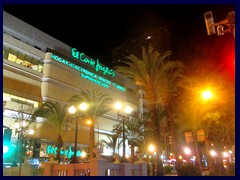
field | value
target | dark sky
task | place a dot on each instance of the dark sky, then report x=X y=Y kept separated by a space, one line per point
x=96 y=29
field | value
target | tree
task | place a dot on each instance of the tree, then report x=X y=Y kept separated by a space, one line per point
x=23 y=121
x=149 y=74
x=112 y=142
x=98 y=106
x=172 y=82
x=56 y=115
x=134 y=134
x=195 y=113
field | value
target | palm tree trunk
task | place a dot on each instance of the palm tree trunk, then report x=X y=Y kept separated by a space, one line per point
x=209 y=159
x=156 y=137
x=91 y=145
x=198 y=158
x=173 y=132
x=59 y=145
x=132 y=153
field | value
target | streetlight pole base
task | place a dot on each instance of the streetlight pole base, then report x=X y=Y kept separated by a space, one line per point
x=74 y=160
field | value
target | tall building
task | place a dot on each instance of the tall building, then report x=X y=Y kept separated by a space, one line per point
x=159 y=38
x=39 y=68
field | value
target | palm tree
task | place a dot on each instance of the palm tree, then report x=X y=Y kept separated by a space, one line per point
x=172 y=83
x=56 y=115
x=98 y=106
x=134 y=134
x=149 y=73
x=112 y=142
x=222 y=135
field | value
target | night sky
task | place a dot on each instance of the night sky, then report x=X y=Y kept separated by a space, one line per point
x=96 y=29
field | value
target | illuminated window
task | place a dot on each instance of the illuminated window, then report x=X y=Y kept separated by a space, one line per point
x=35 y=104
x=40 y=68
x=21 y=99
x=22 y=59
x=19 y=61
x=34 y=67
x=8 y=97
x=13 y=97
x=26 y=63
x=12 y=57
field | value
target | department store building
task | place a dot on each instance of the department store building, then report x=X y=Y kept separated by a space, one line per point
x=39 y=68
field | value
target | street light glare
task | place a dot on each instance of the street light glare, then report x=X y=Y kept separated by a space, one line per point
x=16 y=125
x=225 y=154
x=151 y=148
x=187 y=151
x=206 y=94
x=83 y=106
x=213 y=153
x=31 y=131
x=83 y=154
x=72 y=110
x=128 y=109
x=118 y=106
x=89 y=122
x=24 y=124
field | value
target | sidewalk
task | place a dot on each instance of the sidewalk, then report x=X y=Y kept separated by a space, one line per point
x=171 y=174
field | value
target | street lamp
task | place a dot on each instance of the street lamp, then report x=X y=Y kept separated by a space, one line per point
x=21 y=129
x=89 y=122
x=187 y=151
x=118 y=106
x=72 y=110
x=151 y=148
x=206 y=94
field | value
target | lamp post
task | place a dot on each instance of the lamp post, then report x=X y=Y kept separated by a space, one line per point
x=118 y=106
x=151 y=149
x=89 y=122
x=72 y=110
x=21 y=128
x=187 y=151
x=206 y=95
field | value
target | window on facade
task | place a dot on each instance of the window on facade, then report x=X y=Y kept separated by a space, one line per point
x=22 y=59
x=27 y=64
x=35 y=104
x=6 y=97
x=12 y=57
x=40 y=67
x=34 y=67
x=5 y=53
x=20 y=55
x=20 y=99
x=19 y=61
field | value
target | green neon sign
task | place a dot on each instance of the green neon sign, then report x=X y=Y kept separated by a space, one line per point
x=95 y=64
x=88 y=74
x=68 y=152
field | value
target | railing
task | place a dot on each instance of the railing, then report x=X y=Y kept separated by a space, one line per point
x=95 y=167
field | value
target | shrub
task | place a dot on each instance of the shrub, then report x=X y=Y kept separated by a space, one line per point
x=231 y=169
x=189 y=169
x=166 y=169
